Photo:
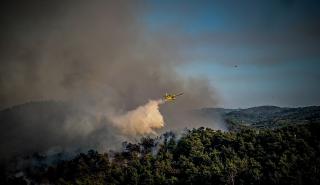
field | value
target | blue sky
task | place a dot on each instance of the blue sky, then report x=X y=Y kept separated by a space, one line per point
x=252 y=52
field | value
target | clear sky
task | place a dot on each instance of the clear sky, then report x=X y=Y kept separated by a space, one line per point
x=253 y=52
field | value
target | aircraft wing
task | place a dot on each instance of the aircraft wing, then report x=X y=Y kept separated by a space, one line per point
x=179 y=94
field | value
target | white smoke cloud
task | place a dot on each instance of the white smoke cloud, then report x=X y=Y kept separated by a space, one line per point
x=140 y=121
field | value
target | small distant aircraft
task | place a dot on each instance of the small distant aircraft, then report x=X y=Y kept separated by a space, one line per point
x=171 y=97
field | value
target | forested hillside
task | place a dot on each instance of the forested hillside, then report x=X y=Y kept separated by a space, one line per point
x=286 y=155
x=264 y=116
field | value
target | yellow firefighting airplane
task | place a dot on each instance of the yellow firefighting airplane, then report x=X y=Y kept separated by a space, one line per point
x=171 y=97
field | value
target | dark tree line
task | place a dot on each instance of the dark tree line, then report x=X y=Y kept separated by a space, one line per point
x=288 y=155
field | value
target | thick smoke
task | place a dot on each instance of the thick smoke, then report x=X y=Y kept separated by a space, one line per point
x=99 y=57
x=140 y=121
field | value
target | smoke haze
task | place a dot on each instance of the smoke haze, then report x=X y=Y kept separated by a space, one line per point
x=99 y=57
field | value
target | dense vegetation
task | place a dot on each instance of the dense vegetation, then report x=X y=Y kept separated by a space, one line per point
x=287 y=155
